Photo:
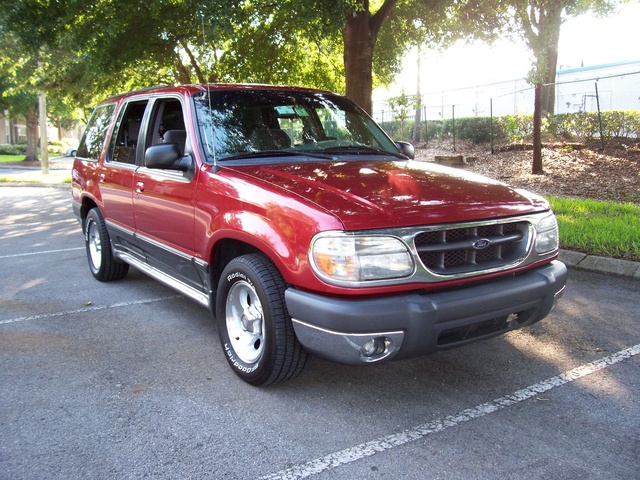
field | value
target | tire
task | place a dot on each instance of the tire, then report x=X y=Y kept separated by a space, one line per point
x=255 y=329
x=102 y=263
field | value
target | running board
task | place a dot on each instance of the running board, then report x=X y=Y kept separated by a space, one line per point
x=200 y=297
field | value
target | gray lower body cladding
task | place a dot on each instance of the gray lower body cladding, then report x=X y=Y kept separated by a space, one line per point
x=415 y=324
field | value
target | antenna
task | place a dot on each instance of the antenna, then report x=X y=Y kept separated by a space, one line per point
x=213 y=130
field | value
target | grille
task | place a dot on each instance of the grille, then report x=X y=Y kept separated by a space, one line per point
x=473 y=248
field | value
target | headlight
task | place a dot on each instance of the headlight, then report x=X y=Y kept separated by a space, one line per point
x=339 y=258
x=547 y=238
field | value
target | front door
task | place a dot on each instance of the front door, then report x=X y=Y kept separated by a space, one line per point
x=164 y=199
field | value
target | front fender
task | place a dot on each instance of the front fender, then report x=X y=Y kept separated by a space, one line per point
x=279 y=237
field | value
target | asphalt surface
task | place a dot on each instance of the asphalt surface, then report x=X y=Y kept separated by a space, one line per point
x=128 y=380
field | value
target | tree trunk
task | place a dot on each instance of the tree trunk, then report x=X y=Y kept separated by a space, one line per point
x=13 y=136
x=541 y=23
x=536 y=166
x=553 y=22
x=358 y=59
x=549 y=92
x=31 y=119
x=359 y=36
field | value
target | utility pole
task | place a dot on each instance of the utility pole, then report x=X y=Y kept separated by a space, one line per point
x=44 y=142
x=417 y=119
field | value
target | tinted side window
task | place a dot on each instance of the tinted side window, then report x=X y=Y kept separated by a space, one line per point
x=94 y=135
x=125 y=141
x=167 y=123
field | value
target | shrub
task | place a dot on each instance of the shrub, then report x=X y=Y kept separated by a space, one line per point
x=474 y=129
x=519 y=128
x=13 y=149
x=57 y=147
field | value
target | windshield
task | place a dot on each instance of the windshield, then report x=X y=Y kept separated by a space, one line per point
x=238 y=124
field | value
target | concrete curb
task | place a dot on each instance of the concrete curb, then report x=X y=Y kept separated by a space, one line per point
x=594 y=263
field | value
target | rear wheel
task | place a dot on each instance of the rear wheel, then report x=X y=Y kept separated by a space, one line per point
x=102 y=263
x=254 y=326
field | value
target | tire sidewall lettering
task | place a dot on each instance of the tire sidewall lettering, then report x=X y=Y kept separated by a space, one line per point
x=237 y=364
x=239 y=276
x=245 y=368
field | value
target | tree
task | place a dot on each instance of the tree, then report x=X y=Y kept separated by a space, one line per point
x=296 y=43
x=540 y=22
x=292 y=41
x=401 y=106
x=360 y=35
x=105 y=46
x=18 y=90
x=375 y=40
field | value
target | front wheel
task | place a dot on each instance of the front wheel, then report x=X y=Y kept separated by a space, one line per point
x=102 y=263
x=253 y=323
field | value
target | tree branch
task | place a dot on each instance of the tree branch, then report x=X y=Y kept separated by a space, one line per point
x=375 y=24
x=193 y=61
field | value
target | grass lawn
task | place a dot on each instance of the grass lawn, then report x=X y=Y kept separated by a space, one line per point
x=600 y=228
x=11 y=158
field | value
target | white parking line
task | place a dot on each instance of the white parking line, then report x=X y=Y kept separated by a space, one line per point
x=14 y=255
x=88 y=309
x=389 y=442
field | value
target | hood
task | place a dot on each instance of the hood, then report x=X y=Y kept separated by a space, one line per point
x=369 y=194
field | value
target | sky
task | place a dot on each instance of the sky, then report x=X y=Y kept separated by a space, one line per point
x=584 y=41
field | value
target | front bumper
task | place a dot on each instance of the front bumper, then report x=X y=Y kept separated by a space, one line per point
x=413 y=324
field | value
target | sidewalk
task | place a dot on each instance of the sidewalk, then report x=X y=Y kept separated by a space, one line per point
x=60 y=171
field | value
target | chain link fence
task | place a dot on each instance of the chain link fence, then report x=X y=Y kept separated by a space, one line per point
x=588 y=104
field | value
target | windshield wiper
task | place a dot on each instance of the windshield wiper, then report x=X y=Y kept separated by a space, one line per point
x=351 y=149
x=276 y=153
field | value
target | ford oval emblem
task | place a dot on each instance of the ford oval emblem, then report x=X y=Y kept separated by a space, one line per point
x=482 y=244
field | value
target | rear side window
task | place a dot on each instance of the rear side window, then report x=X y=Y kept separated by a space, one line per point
x=92 y=141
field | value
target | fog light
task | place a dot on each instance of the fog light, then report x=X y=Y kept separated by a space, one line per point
x=374 y=347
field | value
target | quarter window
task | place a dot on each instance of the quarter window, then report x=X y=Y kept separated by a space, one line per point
x=93 y=139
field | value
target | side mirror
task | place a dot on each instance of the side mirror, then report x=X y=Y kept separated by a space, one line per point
x=165 y=156
x=406 y=149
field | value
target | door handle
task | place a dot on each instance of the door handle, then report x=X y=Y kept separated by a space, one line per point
x=139 y=187
x=101 y=177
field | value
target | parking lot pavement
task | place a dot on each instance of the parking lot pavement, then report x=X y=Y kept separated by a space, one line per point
x=127 y=379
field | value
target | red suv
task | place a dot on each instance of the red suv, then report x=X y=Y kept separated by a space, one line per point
x=304 y=228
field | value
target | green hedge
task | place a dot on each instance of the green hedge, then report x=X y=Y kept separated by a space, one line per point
x=56 y=147
x=13 y=149
x=519 y=128
x=615 y=124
